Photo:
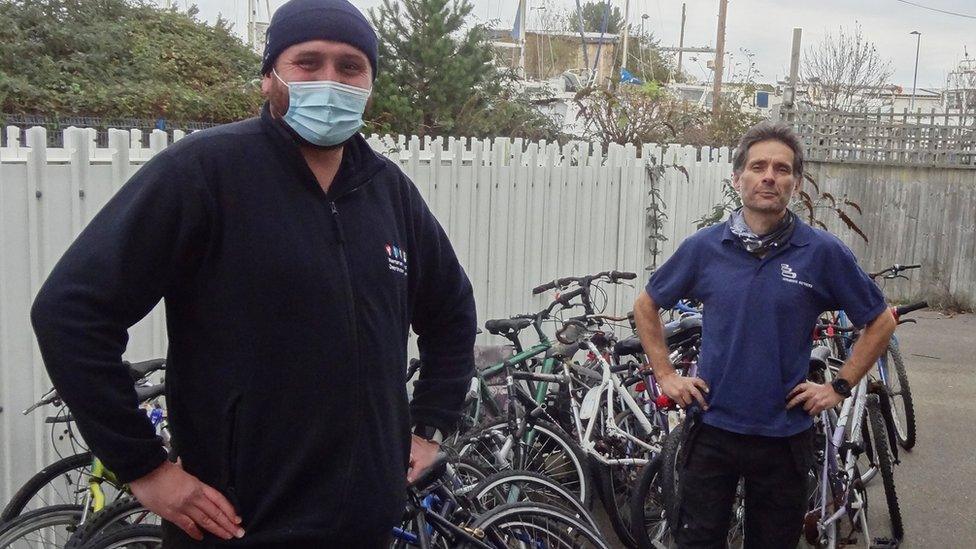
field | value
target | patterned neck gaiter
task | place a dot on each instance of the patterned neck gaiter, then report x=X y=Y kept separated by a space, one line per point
x=760 y=245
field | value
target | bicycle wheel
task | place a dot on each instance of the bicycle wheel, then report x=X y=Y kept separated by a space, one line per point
x=902 y=406
x=64 y=482
x=648 y=523
x=470 y=471
x=669 y=472
x=119 y=514
x=882 y=455
x=534 y=525
x=139 y=536
x=617 y=482
x=551 y=452
x=527 y=486
x=40 y=528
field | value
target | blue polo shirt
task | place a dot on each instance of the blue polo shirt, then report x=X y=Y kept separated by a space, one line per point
x=758 y=318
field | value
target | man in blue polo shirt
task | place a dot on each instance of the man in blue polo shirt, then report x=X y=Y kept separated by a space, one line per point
x=764 y=277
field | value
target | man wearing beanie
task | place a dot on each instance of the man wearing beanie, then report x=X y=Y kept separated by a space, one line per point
x=293 y=261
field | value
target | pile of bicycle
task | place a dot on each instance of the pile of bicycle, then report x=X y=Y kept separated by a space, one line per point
x=547 y=429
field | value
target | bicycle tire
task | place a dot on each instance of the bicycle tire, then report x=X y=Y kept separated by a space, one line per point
x=648 y=520
x=48 y=477
x=17 y=533
x=669 y=472
x=617 y=482
x=882 y=455
x=561 y=458
x=112 y=517
x=904 y=420
x=138 y=536
x=534 y=487
x=528 y=523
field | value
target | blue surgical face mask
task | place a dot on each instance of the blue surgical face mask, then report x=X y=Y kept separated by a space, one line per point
x=324 y=112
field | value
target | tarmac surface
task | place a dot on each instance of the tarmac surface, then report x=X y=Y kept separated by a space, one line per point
x=936 y=481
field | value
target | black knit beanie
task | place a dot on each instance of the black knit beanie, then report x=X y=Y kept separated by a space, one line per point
x=303 y=20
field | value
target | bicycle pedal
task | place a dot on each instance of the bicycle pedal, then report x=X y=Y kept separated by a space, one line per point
x=884 y=543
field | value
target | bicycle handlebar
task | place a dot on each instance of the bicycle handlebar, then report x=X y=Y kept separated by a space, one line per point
x=905 y=309
x=612 y=276
x=836 y=328
x=894 y=270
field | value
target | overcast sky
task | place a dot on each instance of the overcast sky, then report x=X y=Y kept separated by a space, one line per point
x=761 y=26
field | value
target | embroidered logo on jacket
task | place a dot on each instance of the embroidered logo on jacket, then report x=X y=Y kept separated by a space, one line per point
x=790 y=276
x=397 y=259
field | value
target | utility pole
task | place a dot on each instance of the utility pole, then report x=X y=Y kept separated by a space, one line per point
x=681 y=39
x=252 y=8
x=789 y=98
x=719 y=57
x=626 y=31
x=523 y=22
x=918 y=42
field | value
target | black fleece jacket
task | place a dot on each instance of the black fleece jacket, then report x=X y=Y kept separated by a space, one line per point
x=288 y=311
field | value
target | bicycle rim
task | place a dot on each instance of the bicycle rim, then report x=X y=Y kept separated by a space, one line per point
x=531 y=525
x=551 y=454
x=41 y=529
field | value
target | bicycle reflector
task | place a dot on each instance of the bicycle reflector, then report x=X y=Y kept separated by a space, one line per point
x=664 y=401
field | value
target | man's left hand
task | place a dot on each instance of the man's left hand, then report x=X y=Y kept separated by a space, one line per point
x=814 y=396
x=422 y=454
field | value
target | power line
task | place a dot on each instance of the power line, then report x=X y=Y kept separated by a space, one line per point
x=947 y=12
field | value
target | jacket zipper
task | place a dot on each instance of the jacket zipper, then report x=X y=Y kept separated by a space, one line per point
x=354 y=323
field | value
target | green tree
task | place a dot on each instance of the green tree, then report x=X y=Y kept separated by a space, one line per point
x=122 y=58
x=437 y=77
x=593 y=14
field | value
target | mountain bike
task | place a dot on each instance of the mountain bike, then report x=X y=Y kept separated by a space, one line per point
x=892 y=371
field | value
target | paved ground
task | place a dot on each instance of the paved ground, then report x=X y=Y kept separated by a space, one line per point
x=936 y=482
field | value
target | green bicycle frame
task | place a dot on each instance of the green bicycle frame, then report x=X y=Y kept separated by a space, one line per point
x=95 y=499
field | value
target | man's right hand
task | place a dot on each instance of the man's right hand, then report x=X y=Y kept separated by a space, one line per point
x=184 y=500
x=684 y=390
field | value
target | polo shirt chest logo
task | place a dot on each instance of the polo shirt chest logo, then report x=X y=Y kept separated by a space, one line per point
x=396 y=259
x=789 y=276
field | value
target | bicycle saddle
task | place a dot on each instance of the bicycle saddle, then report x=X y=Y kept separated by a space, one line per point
x=139 y=370
x=503 y=326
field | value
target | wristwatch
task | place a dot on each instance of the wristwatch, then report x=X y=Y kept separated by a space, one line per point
x=428 y=433
x=841 y=387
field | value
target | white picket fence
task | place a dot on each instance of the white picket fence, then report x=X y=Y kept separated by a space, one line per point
x=517 y=213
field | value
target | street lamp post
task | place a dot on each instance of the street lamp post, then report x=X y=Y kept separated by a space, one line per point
x=918 y=42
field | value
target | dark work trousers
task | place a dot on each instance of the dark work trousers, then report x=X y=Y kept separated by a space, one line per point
x=776 y=479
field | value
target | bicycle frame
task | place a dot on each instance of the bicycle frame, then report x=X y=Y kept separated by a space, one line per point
x=485 y=396
x=427 y=520
x=834 y=487
x=606 y=392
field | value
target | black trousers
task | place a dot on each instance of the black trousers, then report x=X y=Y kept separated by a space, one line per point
x=776 y=473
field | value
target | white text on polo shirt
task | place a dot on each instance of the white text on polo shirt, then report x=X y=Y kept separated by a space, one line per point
x=790 y=276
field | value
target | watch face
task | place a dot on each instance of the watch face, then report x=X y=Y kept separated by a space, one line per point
x=842 y=387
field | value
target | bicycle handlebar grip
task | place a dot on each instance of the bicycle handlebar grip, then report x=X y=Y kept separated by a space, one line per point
x=542 y=287
x=622 y=275
x=906 y=267
x=899 y=311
